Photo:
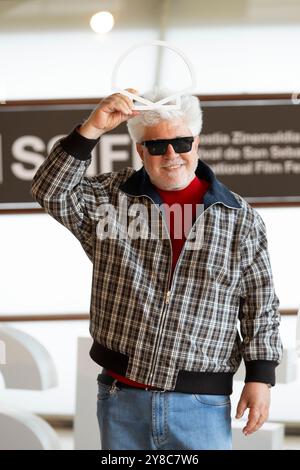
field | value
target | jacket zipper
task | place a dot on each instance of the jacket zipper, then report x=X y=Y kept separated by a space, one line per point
x=168 y=294
x=166 y=303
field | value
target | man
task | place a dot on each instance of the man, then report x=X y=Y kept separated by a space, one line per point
x=165 y=308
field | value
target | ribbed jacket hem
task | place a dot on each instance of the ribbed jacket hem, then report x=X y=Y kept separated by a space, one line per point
x=77 y=145
x=212 y=383
x=261 y=371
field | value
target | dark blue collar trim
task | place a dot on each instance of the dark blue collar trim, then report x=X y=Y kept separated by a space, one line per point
x=139 y=184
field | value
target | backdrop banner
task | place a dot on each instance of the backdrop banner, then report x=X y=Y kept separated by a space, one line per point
x=253 y=146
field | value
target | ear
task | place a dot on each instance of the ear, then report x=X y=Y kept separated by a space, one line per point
x=140 y=150
x=196 y=141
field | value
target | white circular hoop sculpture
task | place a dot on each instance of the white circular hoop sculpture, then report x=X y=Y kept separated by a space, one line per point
x=147 y=104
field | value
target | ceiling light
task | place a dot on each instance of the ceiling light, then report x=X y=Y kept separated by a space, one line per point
x=102 y=22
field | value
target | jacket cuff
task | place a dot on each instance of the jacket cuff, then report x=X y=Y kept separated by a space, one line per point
x=77 y=145
x=261 y=371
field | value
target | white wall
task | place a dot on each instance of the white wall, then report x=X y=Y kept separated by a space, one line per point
x=66 y=65
x=227 y=59
x=43 y=267
x=243 y=59
x=283 y=231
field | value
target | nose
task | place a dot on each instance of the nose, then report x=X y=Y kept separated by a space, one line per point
x=170 y=151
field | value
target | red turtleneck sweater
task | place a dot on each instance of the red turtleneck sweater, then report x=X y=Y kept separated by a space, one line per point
x=192 y=194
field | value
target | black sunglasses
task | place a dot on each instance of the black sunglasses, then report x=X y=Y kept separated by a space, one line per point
x=159 y=147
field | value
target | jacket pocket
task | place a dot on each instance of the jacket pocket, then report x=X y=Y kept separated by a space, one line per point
x=213 y=400
x=104 y=391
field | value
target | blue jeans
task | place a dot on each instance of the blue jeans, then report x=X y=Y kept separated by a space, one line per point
x=135 y=419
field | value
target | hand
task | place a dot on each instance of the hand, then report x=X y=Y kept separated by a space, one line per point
x=110 y=112
x=256 y=396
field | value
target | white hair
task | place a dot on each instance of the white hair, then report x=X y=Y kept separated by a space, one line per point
x=190 y=113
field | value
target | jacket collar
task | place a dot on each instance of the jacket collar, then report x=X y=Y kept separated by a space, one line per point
x=139 y=184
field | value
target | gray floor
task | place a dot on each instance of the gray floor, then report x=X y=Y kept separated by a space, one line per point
x=292 y=442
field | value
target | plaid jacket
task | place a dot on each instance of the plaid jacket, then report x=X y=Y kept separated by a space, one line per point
x=184 y=335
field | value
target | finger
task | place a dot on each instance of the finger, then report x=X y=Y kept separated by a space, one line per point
x=259 y=424
x=121 y=106
x=134 y=114
x=264 y=414
x=253 y=418
x=130 y=100
x=111 y=102
x=118 y=102
x=132 y=90
x=126 y=99
x=242 y=406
